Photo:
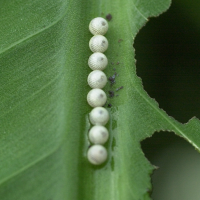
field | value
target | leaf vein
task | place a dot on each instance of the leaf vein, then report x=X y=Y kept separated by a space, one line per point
x=32 y=35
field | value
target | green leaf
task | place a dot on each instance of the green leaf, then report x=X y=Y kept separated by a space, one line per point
x=44 y=113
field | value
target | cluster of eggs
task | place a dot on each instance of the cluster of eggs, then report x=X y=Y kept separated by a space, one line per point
x=96 y=98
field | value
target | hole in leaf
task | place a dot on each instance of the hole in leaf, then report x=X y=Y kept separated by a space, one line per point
x=178 y=175
x=168 y=60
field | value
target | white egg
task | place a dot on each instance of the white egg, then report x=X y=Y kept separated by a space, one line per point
x=97 y=154
x=98 y=43
x=99 y=116
x=98 y=26
x=98 y=135
x=97 y=79
x=97 y=61
x=96 y=97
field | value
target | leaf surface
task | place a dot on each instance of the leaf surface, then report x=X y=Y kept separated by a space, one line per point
x=44 y=113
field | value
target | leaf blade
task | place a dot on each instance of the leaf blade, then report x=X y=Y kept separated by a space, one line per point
x=50 y=74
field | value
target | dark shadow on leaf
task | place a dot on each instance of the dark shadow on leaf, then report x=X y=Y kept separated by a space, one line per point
x=167 y=53
x=178 y=173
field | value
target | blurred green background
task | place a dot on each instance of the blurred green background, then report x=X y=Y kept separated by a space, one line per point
x=168 y=61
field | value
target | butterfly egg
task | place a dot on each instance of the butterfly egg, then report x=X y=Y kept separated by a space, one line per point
x=98 y=43
x=99 y=116
x=98 y=26
x=98 y=135
x=97 y=61
x=96 y=97
x=97 y=79
x=97 y=154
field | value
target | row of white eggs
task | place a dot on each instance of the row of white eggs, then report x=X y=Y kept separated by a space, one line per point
x=96 y=98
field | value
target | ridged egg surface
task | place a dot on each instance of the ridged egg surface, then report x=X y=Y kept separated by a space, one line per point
x=97 y=61
x=98 y=43
x=97 y=154
x=97 y=79
x=96 y=97
x=99 y=116
x=98 y=26
x=98 y=135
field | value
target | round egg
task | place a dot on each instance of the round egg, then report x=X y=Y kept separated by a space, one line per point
x=98 y=135
x=98 y=43
x=97 y=79
x=97 y=154
x=96 y=97
x=99 y=116
x=97 y=61
x=98 y=26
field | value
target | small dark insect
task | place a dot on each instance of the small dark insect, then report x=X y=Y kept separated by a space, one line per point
x=119 y=88
x=112 y=79
x=117 y=63
x=108 y=17
x=120 y=40
x=109 y=105
x=111 y=93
